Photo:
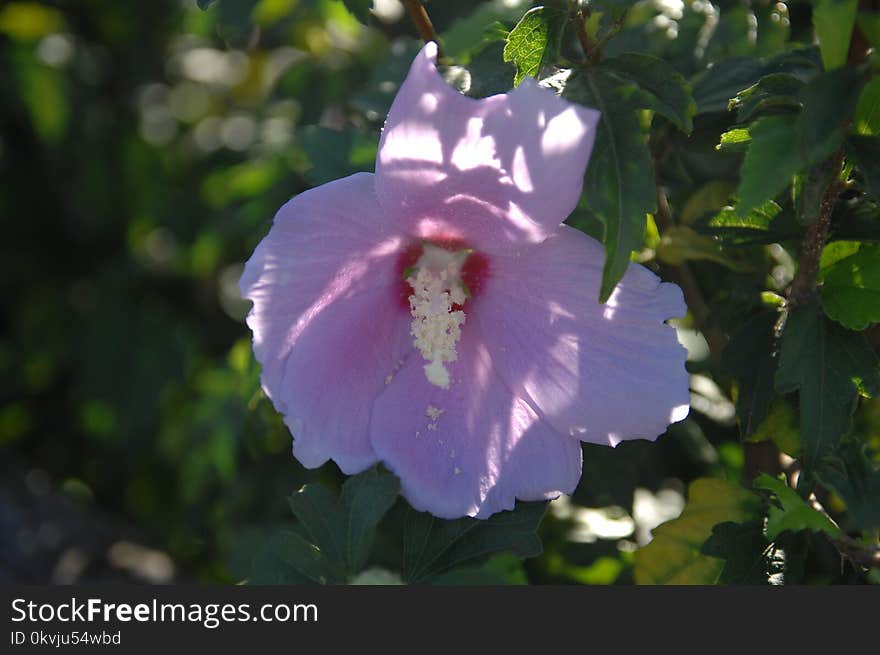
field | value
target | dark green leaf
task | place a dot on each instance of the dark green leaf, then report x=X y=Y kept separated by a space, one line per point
x=664 y=90
x=791 y=512
x=714 y=88
x=534 y=42
x=821 y=361
x=864 y=152
x=856 y=219
x=749 y=356
x=432 y=546
x=343 y=528
x=809 y=189
x=287 y=558
x=853 y=478
x=829 y=101
x=316 y=508
x=770 y=163
x=619 y=183
x=204 y=4
x=833 y=21
x=851 y=292
x=365 y=499
x=772 y=93
x=743 y=548
x=489 y=73
x=360 y=9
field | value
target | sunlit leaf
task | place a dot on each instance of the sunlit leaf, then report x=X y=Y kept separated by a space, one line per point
x=833 y=21
x=791 y=512
x=851 y=292
x=675 y=555
x=534 y=42
x=867 y=116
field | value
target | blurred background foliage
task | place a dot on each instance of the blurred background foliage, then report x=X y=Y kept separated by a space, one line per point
x=144 y=148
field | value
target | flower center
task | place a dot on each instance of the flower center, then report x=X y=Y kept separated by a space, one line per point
x=441 y=276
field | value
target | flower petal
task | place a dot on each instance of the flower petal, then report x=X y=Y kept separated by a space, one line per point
x=503 y=169
x=327 y=322
x=471 y=449
x=602 y=372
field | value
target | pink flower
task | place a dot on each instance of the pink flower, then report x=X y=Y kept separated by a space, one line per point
x=437 y=317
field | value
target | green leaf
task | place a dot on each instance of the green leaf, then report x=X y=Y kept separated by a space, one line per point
x=851 y=293
x=365 y=499
x=287 y=558
x=432 y=546
x=757 y=219
x=681 y=243
x=713 y=88
x=619 y=182
x=360 y=9
x=791 y=512
x=343 y=528
x=749 y=356
x=856 y=219
x=743 y=548
x=867 y=116
x=835 y=251
x=833 y=21
x=674 y=555
x=853 y=478
x=829 y=101
x=869 y=24
x=204 y=4
x=770 y=163
x=664 y=89
x=780 y=427
x=864 y=152
x=534 y=42
x=467 y=35
x=824 y=364
x=735 y=140
x=775 y=92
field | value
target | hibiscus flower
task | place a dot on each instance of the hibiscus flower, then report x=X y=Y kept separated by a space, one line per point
x=438 y=317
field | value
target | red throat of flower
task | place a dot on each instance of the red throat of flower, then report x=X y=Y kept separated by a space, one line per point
x=474 y=271
x=438 y=278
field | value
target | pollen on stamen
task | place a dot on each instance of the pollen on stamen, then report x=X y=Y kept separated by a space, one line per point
x=435 y=327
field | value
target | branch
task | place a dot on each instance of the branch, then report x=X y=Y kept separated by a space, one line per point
x=803 y=287
x=578 y=17
x=422 y=21
x=855 y=551
x=684 y=277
